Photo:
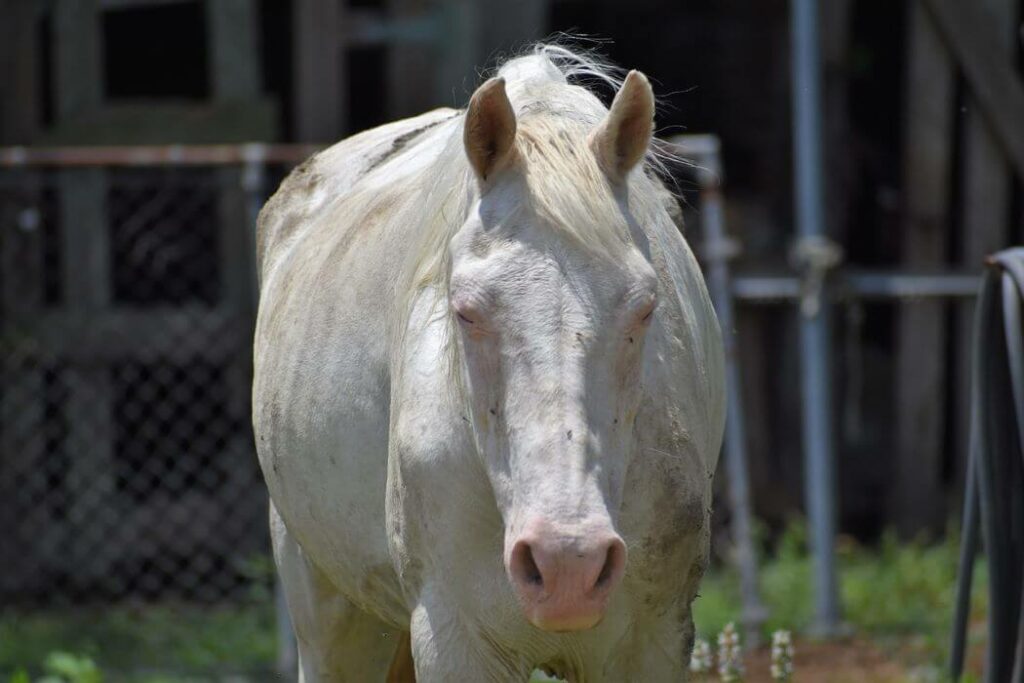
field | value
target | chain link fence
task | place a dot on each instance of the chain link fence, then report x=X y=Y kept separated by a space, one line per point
x=128 y=478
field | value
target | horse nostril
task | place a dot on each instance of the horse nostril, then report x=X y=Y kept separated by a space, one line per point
x=532 y=572
x=606 y=570
x=613 y=561
x=524 y=565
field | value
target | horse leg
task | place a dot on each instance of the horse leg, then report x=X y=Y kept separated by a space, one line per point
x=337 y=641
x=658 y=650
x=445 y=649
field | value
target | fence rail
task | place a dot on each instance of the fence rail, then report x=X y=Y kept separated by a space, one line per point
x=154 y=155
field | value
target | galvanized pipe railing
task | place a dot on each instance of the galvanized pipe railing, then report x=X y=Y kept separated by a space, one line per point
x=852 y=284
x=813 y=249
x=717 y=249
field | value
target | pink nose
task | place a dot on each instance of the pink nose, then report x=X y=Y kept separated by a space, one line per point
x=564 y=581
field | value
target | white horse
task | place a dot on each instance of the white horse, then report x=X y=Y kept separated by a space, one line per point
x=489 y=392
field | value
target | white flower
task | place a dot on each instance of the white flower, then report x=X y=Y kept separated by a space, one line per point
x=782 y=656
x=700 y=660
x=730 y=655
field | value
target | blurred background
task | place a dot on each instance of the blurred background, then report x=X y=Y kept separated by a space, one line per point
x=140 y=137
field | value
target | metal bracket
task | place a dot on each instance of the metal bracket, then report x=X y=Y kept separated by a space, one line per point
x=814 y=257
x=720 y=248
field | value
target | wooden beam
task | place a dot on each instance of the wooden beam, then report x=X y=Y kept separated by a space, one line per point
x=88 y=405
x=511 y=25
x=78 y=77
x=320 y=96
x=410 y=66
x=235 y=76
x=916 y=499
x=19 y=96
x=169 y=123
x=987 y=187
x=22 y=383
x=231 y=38
x=455 y=76
x=974 y=41
x=78 y=88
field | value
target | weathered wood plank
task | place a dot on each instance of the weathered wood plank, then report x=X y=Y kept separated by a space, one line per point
x=455 y=76
x=916 y=498
x=999 y=91
x=85 y=237
x=78 y=78
x=19 y=116
x=233 y=24
x=319 y=99
x=410 y=65
x=986 y=182
x=238 y=275
x=88 y=404
x=22 y=385
x=231 y=39
x=88 y=401
x=235 y=76
x=511 y=25
x=168 y=123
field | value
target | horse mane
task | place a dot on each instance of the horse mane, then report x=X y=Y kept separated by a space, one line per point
x=549 y=87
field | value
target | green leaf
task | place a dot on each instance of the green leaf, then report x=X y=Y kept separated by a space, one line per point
x=72 y=668
x=19 y=676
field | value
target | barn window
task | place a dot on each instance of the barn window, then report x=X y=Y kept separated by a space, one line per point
x=155 y=52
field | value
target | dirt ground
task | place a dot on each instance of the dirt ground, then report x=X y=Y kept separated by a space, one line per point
x=848 y=661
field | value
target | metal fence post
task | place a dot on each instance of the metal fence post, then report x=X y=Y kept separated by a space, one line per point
x=817 y=255
x=717 y=250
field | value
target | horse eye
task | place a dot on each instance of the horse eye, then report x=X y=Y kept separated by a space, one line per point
x=464 y=318
x=650 y=313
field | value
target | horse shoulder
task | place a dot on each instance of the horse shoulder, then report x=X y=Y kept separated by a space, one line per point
x=329 y=174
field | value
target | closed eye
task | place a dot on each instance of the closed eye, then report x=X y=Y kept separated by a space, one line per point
x=646 y=318
x=464 y=318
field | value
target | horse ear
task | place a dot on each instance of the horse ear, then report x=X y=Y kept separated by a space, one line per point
x=621 y=140
x=490 y=128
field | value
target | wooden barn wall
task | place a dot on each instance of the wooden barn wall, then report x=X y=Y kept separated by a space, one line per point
x=958 y=206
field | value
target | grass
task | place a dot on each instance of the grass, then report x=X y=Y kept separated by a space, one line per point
x=145 y=643
x=898 y=595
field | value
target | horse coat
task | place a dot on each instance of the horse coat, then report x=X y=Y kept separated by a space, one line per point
x=489 y=396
